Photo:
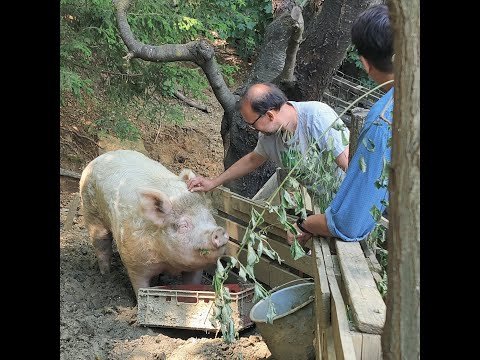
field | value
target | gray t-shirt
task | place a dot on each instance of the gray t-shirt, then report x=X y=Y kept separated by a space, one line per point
x=314 y=117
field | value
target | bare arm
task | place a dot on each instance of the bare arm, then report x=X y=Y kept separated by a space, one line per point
x=342 y=159
x=315 y=224
x=242 y=167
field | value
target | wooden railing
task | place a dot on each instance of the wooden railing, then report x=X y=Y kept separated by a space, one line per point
x=350 y=312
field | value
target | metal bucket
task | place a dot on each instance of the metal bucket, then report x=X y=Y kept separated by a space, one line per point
x=292 y=333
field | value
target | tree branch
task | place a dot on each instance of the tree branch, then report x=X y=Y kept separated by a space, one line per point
x=286 y=75
x=182 y=97
x=82 y=136
x=69 y=173
x=199 y=52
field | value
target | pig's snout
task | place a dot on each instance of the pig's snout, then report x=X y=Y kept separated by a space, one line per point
x=219 y=237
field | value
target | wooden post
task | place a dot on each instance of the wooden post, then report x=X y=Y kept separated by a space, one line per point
x=358 y=119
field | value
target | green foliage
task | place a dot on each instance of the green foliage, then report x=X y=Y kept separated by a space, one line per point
x=92 y=51
x=91 y=48
x=73 y=83
x=376 y=242
x=116 y=124
x=228 y=71
x=352 y=57
x=242 y=23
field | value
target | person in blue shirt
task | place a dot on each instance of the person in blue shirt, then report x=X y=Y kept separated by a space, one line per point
x=364 y=189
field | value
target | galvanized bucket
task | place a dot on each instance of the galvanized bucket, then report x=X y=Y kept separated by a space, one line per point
x=292 y=333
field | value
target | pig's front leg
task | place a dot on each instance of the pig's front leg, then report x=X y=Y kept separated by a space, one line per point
x=139 y=281
x=192 y=277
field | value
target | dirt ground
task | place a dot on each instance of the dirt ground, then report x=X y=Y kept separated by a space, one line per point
x=98 y=313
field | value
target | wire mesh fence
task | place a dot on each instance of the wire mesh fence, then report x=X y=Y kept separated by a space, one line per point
x=344 y=89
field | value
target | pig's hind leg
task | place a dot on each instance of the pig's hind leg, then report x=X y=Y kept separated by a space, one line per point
x=102 y=242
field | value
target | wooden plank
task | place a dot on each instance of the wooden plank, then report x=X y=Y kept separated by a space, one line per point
x=371 y=347
x=237 y=232
x=240 y=207
x=373 y=264
x=326 y=346
x=317 y=343
x=338 y=275
x=279 y=275
x=368 y=307
x=307 y=199
x=340 y=330
x=357 y=344
x=322 y=290
x=330 y=350
x=344 y=349
x=383 y=221
x=367 y=346
x=245 y=206
x=266 y=271
x=72 y=211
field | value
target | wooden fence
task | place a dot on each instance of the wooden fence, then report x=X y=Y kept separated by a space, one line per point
x=350 y=312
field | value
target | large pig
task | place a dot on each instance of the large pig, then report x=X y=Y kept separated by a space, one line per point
x=158 y=225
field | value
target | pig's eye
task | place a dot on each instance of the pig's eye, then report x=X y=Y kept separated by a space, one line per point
x=183 y=226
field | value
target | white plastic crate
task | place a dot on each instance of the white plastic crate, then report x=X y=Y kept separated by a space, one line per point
x=191 y=306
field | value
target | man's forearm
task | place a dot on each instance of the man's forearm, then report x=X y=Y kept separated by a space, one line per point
x=317 y=225
x=342 y=159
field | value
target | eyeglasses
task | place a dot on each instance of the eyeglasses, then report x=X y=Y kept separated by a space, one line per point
x=251 y=125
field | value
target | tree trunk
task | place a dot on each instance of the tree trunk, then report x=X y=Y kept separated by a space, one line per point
x=327 y=37
x=401 y=335
x=318 y=58
x=237 y=139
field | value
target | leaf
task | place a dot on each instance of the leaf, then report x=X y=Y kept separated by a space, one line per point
x=271 y=312
x=287 y=200
x=370 y=146
x=269 y=253
x=260 y=248
x=252 y=257
x=376 y=213
x=345 y=140
x=242 y=274
x=259 y=293
x=362 y=164
x=296 y=250
x=256 y=218
x=220 y=268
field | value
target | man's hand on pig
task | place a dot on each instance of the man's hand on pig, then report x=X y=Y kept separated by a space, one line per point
x=200 y=183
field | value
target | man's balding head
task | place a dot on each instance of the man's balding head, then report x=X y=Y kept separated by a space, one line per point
x=262 y=97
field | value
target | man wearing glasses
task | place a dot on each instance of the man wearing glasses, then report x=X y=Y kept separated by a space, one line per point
x=281 y=124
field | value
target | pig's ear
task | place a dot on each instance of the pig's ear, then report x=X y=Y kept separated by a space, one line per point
x=155 y=205
x=186 y=174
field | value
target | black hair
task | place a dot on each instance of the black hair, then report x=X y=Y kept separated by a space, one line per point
x=271 y=98
x=372 y=35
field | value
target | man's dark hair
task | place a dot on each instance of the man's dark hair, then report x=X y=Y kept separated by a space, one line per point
x=372 y=35
x=263 y=99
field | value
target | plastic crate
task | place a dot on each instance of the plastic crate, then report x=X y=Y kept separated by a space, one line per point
x=191 y=306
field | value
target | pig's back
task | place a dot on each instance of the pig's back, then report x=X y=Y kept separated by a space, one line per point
x=110 y=182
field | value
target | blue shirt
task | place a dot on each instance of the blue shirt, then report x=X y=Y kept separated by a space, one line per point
x=348 y=216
